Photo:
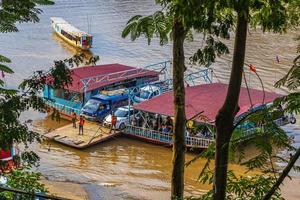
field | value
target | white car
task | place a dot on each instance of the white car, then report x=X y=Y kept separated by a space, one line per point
x=123 y=115
x=146 y=93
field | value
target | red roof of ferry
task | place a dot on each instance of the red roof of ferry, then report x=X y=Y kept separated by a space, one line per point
x=207 y=98
x=102 y=70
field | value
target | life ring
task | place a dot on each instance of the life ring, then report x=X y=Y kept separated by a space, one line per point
x=292 y=120
x=190 y=124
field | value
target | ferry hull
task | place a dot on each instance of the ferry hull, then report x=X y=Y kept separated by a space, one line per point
x=160 y=143
x=148 y=140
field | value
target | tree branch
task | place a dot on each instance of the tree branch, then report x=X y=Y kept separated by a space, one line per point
x=283 y=175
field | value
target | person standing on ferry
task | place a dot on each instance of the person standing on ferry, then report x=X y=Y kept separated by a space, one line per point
x=74 y=116
x=81 y=123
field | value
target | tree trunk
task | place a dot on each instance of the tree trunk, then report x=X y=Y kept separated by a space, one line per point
x=284 y=174
x=225 y=117
x=177 y=187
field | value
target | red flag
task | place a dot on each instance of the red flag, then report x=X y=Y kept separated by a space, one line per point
x=252 y=68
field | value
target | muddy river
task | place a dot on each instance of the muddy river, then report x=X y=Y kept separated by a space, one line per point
x=125 y=168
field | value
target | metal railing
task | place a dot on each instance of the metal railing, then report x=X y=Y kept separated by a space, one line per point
x=159 y=67
x=196 y=142
x=67 y=110
x=204 y=74
x=252 y=131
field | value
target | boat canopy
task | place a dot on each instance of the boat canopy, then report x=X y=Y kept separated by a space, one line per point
x=206 y=99
x=88 y=78
x=64 y=25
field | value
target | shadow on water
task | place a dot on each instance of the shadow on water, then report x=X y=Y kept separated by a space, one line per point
x=88 y=54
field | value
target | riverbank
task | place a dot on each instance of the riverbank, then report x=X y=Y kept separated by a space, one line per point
x=120 y=169
x=76 y=191
x=67 y=190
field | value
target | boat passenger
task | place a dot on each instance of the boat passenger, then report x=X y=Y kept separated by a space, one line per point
x=134 y=121
x=188 y=132
x=165 y=129
x=74 y=118
x=139 y=121
x=158 y=122
x=149 y=123
x=205 y=132
x=169 y=123
x=81 y=123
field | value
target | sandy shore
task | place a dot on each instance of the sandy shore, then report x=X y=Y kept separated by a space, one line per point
x=67 y=190
x=75 y=191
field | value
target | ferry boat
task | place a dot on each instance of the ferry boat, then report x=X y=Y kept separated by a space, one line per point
x=202 y=103
x=71 y=34
x=93 y=80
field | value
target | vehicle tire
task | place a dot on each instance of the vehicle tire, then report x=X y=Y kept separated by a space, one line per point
x=293 y=120
x=122 y=126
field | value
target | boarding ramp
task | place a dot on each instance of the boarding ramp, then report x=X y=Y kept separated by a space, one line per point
x=93 y=133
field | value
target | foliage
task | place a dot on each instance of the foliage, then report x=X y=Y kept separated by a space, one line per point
x=291 y=80
x=20 y=11
x=157 y=24
x=215 y=20
x=15 y=102
x=12 y=105
x=26 y=181
x=160 y=25
x=267 y=138
x=243 y=187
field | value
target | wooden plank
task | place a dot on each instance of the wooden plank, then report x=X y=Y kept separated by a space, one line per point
x=93 y=133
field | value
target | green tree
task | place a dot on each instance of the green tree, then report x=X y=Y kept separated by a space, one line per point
x=291 y=103
x=267 y=139
x=14 y=102
x=175 y=22
x=215 y=19
x=274 y=16
x=19 y=179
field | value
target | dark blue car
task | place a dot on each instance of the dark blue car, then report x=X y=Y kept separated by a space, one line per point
x=100 y=105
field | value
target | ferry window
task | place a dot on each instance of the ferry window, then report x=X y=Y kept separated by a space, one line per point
x=101 y=107
x=67 y=35
x=69 y=96
x=59 y=93
x=76 y=97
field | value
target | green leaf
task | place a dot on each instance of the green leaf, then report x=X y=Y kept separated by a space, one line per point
x=4 y=59
x=6 y=69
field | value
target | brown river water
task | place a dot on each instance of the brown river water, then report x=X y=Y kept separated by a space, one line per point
x=124 y=168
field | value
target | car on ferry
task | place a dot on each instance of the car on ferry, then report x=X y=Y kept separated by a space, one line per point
x=89 y=81
x=124 y=114
x=146 y=93
x=100 y=105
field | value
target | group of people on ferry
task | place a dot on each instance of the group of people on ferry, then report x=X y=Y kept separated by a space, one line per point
x=165 y=125
x=154 y=122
